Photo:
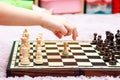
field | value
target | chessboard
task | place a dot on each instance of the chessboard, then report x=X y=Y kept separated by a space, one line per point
x=83 y=59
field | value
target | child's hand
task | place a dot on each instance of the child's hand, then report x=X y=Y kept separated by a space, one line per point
x=59 y=26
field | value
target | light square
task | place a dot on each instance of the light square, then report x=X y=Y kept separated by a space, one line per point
x=88 y=48
x=77 y=51
x=52 y=51
x=84 y=43
x=55 y=64
x=96 y=60
x=80 y=57
x=29 y=65
x=68 y=60
x=74 y=45
x=82 y=64
x=50 y=45
x=91 y=54
x=53 y=57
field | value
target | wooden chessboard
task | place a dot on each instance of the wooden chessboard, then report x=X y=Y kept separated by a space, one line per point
x=83 y=59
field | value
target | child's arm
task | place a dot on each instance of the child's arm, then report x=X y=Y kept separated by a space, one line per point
x=10 y=15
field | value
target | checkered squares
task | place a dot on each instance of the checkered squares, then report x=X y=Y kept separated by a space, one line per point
x=81 y=55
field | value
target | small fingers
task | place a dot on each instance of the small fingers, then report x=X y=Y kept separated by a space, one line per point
x=69 y=29
x=58 y=34
x=74 y=34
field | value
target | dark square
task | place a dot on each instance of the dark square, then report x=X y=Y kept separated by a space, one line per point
x=19 y=45
x=69 y=63
x=94 y=57
x=31 y=48
x=73 y=43
x=60 y=45
x=85 y=45
x=69 y=56
x=78 y=53
x=33 y=45
x=89 y=51
x=44 y=57
x=50 y=43
x=51 y=48
x=50 y=53
x=43 y=50
x=82 y=60
x=54 y=60
x=75 y=48
x=31 y=60
x=98 y=64
x=16 y=63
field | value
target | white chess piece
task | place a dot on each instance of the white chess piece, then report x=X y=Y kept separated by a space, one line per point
x=65 y=51
x=25 y=41
x=25 y=34
x=25 y=58
x=39 y=58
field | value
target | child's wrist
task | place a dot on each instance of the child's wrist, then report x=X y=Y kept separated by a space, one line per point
x=43 y=22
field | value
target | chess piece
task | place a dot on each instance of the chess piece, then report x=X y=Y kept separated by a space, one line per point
x=25 y=34
x=110 y=43
x=106 y=56
x=39 y=58
x=99 y=44
x=107 y=38
x=117 y=36
x=25 y=58
x=65 y=51
x=38 y=40
x=113 y=60
x=94 y=41
x=25 y=41
x=38 y=43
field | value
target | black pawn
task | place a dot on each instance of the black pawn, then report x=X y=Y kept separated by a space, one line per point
x=111 y=42
x=99 y=43
x=106 y=56
x=113 y=60
x=94 y=41
x=107 y=38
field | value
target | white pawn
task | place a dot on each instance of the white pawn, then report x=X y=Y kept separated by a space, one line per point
x=65 y=51
x=25 y=58
x=39 y=58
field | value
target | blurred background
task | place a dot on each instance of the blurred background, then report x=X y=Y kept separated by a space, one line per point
x=71 y=6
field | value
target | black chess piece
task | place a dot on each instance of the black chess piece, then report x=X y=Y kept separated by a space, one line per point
x=111 y=42
x=113 y=60
x=99 y=43
x=106 y=56
x=94 y=41
x=117 y=37
x=106 y=41
x=117 y=34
